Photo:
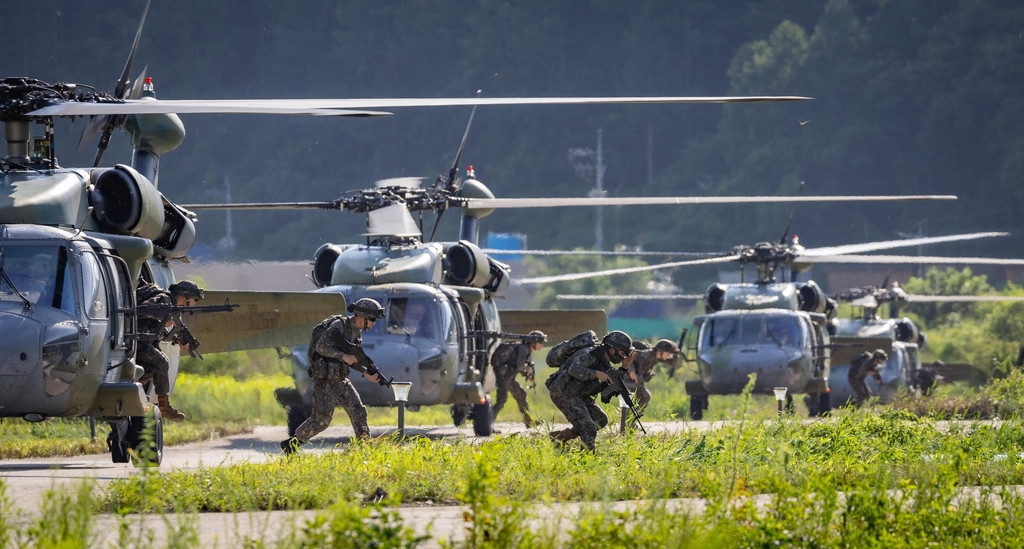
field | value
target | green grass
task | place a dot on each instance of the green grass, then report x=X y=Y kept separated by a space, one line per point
x=856 y=448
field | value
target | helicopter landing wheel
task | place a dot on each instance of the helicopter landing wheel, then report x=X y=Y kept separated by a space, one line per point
x=145 y=438
x=482 y=418
x=698 y=403
x=118 y=450
x=459 y=414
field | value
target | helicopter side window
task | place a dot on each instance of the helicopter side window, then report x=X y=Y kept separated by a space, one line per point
x=415 y=316
x=95 y=290
x=39 y=274
x=448 y=326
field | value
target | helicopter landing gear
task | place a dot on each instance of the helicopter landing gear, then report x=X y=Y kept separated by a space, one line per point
x=459 y=414
x=137 y=439
x=698 y=403
x=482 y=418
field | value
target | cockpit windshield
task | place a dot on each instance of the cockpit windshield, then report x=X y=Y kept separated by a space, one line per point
x=414 y=316
x=39 y=273
x=752 y=330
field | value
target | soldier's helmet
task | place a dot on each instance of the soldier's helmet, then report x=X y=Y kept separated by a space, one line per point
x=187 y=289
x=538 y=336
x=666 y=346
x=618 y=340
x=367 y=308
x=879 y=355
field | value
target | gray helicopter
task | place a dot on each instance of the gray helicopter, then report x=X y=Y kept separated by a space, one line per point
x=76 y=242
x=442 y=321
x=899 y=337
x=782 y=331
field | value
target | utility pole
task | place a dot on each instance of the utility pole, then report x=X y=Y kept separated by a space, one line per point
x=598 y=167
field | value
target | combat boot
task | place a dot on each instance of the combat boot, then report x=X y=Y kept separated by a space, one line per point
x=291 y=445
x=527 y=420
x=563 y=436
x=168 y=411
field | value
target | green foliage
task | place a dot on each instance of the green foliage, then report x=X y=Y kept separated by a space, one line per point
x=948 y=282
x=225 y=399
x=493 y=521
x=237 y=364
x=65 y=520
x=347 y=525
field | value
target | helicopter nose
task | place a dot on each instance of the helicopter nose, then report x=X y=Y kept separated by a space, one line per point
x=20 y=377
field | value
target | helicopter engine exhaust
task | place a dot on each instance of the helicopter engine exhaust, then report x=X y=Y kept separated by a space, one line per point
x=323 y=264
x=125 y=202
x=812 y=299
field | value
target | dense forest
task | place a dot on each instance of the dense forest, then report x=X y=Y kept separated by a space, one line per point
x=916 y=96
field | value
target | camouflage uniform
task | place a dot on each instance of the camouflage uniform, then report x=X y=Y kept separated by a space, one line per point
x=510 y=359
x=643 y=366
x=331 y=386
x=861 y=367
x=573 y=392
x=154 y=362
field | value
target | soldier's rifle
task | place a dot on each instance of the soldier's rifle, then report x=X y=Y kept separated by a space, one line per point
x=366 y=362
x=617 y=386
x=179 y=334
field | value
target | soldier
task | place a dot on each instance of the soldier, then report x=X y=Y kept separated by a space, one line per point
x=641 y=368
x=861 y=366
x=582 y=378
x=509 y=359
x=328 y=368
x=148 y=355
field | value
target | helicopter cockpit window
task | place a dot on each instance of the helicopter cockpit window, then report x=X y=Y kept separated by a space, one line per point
x=448 y=326
x=415 y=316
x=39 y=273
x=95 y=290
x=752 y=330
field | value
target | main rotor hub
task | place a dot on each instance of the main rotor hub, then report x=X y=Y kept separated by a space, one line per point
x=768 y=256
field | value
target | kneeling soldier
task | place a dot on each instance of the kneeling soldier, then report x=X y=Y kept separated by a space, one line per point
x=581 y=379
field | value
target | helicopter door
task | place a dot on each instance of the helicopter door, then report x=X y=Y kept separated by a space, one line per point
x=120 y=296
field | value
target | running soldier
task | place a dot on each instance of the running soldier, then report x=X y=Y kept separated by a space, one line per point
x=640 y=368
x=510 y=359
x=581 y=379
x=861 y=367
x=148 y=354
x=329 y=365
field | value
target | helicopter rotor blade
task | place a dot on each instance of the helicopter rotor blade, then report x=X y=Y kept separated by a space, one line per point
x=962 y=298
x=891 y=244
x=792 y=214
x=136 y=91
x=312 y=106
x=501 y=203
x=628 y=297
x=597 y=252
x=625 y=270
x=909 y=259
x=332 y=205
x=453 y=174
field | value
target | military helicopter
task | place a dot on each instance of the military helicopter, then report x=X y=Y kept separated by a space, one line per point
x=75 y=242
x=442 y=321
x=899 y=337
x=781 y=331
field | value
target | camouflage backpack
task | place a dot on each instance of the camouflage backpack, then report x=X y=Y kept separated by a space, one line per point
x=146 y=291
x=318 y=331
x=561 y=352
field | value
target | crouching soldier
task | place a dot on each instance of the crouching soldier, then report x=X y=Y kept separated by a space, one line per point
x=641 y=369
x=581 y=379
x=159 y=326
x=329 y=368
x=511 y=359
x=861 y=367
